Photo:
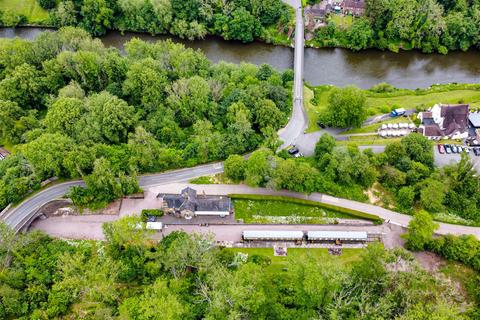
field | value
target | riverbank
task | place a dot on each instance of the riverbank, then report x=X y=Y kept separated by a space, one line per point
x=316 y=99
x=339 y=67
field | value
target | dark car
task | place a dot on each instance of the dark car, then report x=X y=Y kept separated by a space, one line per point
x=448 y=149
x=476 y=151
x=293 y=151
x=321 y=125
x=441 y=148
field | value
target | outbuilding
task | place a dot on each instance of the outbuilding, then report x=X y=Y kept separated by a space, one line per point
x=272 y=235
x=350 y=236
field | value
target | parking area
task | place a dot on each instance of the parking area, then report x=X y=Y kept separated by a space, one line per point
x=443 y=159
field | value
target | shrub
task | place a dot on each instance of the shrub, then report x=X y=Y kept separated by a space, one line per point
x=47 y=4
x=151 y=212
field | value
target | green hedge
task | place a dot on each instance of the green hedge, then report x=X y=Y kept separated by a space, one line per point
x=151 y=212
x=354 y=213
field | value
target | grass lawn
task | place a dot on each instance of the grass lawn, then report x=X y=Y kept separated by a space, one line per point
x=379 y=103
x=410 y=101
x=314 y=108
x=30 y=8
x=274 y=211
x=340 y=20
x=368 y=140
x=294 y=254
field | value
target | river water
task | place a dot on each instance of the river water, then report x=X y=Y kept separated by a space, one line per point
x=340 y=67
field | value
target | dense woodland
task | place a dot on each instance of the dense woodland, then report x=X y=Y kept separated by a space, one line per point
x=405 y=172
x=243 y=20
x=427 y=25
x=187 y=277
x=71 y=108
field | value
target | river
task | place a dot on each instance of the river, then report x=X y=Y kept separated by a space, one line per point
x=340 y=67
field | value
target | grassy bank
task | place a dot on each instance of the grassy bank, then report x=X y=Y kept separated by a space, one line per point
x=29 y=8
x=275 y=209
x=280 y=264
x=316 y=99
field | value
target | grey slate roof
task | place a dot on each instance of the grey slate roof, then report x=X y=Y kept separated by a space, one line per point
x=189 y=200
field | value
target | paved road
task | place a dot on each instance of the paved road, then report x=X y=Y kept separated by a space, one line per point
x=298 y=121
x=18 y=216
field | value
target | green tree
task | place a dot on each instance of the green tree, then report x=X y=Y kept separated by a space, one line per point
x=405 y=197
x=242 y=26
x=46 y=154
x=420 y=231
x=156 y=297
x=234 y=167
x=346 y=108
x=432 y=195
x=258 y=170
x=324 y=145
x=97 y=16
x=108 y=119
x=63 y=115
x=360 y=34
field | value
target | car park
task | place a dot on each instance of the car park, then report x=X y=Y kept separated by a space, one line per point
x=441 y=148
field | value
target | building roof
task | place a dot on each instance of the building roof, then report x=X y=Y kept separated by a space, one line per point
x=334 y=235
x=475 y=119
x=353 y=4
x=455 y=118
x=189 y=200
x=431 y=130
x=427 y=115
x=272 y=235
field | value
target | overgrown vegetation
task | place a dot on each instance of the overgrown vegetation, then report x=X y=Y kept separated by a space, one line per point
x=427 y=25
x=253 y=208
x=129 y=276
x=72 y=108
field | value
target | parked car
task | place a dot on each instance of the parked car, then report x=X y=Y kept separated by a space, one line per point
x=293 y=150
x=298 y=155
x=454 y=149
x=476 y=151
x=321 y=125
x=448 y=148
x=441 y=148
x=466 y=149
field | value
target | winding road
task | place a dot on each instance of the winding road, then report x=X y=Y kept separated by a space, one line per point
x=21 y=215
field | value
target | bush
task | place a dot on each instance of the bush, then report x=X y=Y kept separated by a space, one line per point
x=382 y=87
x=151 y=212
x=47 y=4
x=354 y=213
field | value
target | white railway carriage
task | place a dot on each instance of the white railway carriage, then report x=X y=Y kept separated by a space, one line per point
x=353 y=236
x=262 y=235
